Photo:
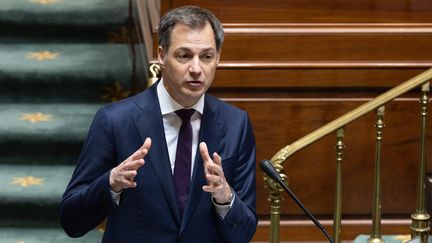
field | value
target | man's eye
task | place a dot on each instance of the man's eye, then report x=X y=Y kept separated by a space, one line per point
x=207 y=57
x=182 y=56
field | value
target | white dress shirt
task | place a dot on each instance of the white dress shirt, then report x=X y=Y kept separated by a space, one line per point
x=172 y=123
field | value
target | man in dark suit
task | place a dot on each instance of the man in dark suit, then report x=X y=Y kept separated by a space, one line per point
x=171 y=164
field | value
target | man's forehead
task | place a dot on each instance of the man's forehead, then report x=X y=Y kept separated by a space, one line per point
x=203 y=36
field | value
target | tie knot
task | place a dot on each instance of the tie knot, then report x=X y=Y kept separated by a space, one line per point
x=185 y=114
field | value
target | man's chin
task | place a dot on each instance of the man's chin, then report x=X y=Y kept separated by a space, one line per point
x=195 y=91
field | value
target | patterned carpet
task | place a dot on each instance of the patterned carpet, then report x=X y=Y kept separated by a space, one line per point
x=59 y=61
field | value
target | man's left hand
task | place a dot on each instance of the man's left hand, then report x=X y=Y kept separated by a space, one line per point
x=216 y=182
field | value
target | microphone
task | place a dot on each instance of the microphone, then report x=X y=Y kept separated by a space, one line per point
x=271 y=172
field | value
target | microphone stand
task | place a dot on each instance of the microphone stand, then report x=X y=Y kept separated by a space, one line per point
x=270 y=171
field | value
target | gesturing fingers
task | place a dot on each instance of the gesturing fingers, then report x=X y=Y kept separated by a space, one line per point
x=212 y=168
x=209 y=163
x=204 y=152
x=217 y=184
x=122 y=176
x=141 y=152
x=126 y=178
x=217 y=159
x=205 y=157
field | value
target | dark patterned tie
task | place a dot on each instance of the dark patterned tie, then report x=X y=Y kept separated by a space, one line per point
x=182 y=168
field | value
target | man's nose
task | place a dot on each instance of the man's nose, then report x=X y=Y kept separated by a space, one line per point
x=195 y=66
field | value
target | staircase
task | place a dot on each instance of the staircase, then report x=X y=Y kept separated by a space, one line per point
x=59 y=62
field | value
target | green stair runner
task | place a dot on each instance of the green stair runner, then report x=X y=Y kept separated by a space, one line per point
x=82 y=13
x=69 y=72
x=59 y=62
x=44 y=235
x=32 y=193
x=55 y=139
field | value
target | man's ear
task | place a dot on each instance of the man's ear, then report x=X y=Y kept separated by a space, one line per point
x=218 y=57
x=161 y=56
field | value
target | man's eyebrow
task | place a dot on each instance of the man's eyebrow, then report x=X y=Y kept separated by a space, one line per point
x=210 y=49
x=182 y=49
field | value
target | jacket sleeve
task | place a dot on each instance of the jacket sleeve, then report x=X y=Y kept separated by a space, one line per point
x=87 y=200
x=240 y=223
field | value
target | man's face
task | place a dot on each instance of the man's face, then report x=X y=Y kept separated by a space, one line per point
x=189 y=64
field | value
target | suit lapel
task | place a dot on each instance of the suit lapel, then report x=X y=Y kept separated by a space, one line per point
x=210 y=133
x=149 y=124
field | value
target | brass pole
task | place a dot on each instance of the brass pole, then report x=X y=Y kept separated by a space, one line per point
x=338 y=200
x=420 y=227
x=275 y=217
x=375 y=236
x=275 y=198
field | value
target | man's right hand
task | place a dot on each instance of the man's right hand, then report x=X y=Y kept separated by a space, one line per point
x=122 y=176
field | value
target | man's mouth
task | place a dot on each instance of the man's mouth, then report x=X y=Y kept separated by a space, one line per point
x=195 y=83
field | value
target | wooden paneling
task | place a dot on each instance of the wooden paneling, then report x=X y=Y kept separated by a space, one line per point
x=314 y=75
x=279 y=122
x=326 y=43
x=330 y=55
x=324 y=11
x=292 y=45
x=296 y=65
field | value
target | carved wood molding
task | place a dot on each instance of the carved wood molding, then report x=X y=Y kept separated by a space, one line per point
x=321 y=65
x=327 y=28
x=347 y=222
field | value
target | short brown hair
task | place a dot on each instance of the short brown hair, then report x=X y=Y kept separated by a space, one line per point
x=193 y=17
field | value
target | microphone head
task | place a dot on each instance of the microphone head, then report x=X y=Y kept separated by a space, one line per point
x=270 y=170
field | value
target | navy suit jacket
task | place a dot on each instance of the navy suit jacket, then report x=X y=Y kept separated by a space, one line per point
x=149 y=213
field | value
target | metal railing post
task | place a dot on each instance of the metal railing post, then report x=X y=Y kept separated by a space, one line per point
x=375 y=236
x=420 y=219
x=337 y=218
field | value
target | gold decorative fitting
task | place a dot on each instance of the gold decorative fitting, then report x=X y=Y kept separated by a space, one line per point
x=36 y=117
x=102 y=226
x=155 y=73
x=43 y=55
x=27 y=181
x=45 y=2
x=115 y=92
x=123 y=35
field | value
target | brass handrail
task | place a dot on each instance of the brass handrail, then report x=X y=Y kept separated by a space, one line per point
x=332 y=126
x=419 y=219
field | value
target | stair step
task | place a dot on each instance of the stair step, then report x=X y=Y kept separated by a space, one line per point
x=32 y=192
x=88 y=13
x=60 y=34
x=63 y=72
x=32 y=133
x=45 y=235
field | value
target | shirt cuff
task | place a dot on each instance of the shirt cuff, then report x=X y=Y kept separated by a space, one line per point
x=222 y=210
x=116 y=197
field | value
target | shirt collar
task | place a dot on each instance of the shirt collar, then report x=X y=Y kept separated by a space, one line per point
x=169 y=105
